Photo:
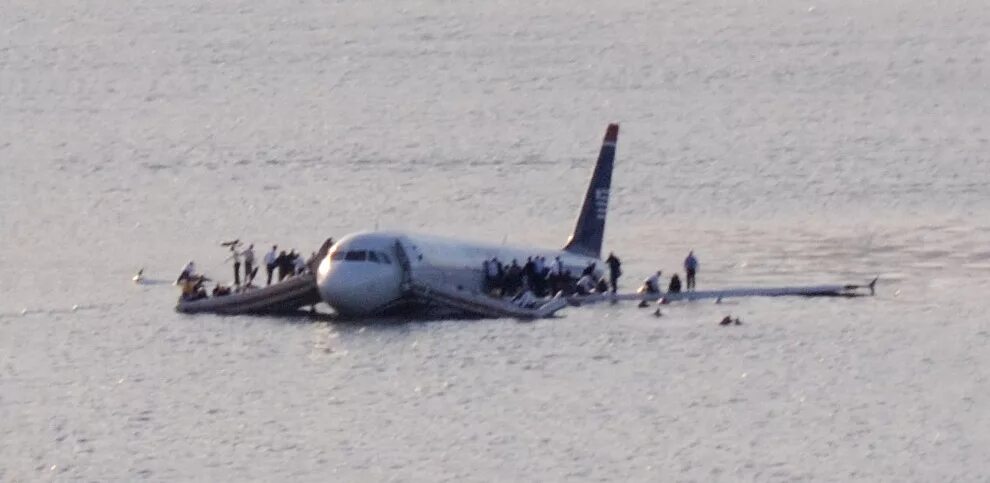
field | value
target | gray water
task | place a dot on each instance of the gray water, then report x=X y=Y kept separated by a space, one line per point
x=785 y=142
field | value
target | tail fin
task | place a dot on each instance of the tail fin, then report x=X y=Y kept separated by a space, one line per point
x=590 y=228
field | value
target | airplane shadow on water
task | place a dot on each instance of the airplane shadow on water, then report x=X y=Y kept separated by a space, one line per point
x=352 y=325
x=385 y=324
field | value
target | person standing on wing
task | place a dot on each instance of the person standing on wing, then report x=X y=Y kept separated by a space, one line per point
x=691 y=268
x=614 y=270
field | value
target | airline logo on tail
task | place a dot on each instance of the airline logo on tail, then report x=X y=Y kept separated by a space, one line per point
x=601 y=203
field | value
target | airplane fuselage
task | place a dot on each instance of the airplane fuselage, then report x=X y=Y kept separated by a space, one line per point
x=370 y=273
x=363 y=274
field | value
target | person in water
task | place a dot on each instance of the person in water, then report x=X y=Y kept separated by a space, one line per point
x=690 y=269
x=729 y=321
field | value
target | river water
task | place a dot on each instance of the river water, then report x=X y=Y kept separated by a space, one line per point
x=785 y=142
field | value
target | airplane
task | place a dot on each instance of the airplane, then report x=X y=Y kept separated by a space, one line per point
x=383 y=273
x=376 y=273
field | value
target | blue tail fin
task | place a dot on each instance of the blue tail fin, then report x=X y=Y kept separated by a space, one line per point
x=590 y=228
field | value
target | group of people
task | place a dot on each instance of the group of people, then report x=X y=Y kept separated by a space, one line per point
x=510 y=280
x=279 y=265
x=590 y=282
x=191 y=283
x=538 y=276
x=277 y=262
x=653 y=283
x=284 y=264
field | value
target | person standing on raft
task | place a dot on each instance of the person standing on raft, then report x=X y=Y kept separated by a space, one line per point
x=248 y=264
x=271 y=262
x=236 y=256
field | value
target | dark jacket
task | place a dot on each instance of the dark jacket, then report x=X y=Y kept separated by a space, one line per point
x=675 y=284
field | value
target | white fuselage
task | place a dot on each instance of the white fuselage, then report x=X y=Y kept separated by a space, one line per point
x=362 y=275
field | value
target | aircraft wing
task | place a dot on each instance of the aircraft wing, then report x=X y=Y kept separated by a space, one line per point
x=847 y=290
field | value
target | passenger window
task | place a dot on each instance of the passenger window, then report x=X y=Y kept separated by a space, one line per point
x=372 y=257
x=356 y=256
x=385 y=258
x=337 y=255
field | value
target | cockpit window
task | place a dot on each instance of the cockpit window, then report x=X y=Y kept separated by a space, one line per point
x=356 y=256
x=361 y=256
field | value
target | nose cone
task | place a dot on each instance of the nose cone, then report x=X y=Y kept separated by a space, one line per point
x=357 y=289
